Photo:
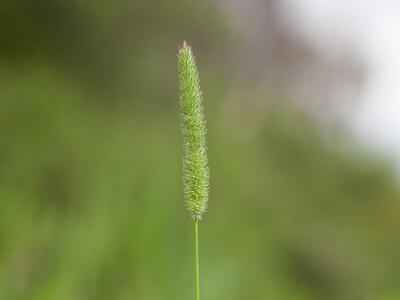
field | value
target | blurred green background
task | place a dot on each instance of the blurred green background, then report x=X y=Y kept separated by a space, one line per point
x=90 y=177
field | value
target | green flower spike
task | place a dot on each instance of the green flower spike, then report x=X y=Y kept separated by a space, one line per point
x=195 y=162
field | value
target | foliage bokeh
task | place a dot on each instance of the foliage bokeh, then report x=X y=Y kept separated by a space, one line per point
x=90 y=183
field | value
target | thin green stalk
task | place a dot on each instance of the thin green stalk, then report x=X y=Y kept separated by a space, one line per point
x=196 y=239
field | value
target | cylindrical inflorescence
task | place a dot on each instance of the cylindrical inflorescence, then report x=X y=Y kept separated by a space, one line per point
x=195 y=162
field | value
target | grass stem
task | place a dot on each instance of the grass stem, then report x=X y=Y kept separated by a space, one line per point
x=196 y=239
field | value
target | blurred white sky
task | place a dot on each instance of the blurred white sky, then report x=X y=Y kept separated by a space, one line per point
x=370 y=29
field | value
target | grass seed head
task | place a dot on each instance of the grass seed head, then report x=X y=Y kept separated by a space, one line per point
x=195 y=162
